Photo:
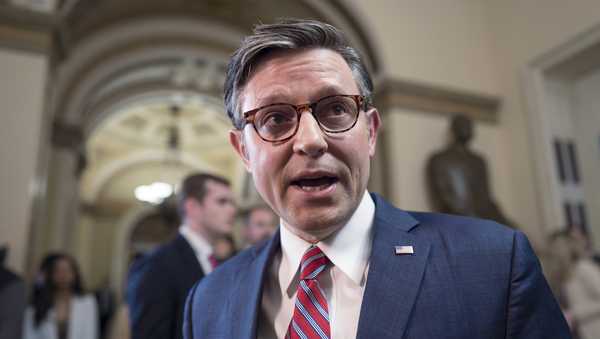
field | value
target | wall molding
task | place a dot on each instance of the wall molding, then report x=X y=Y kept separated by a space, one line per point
x=26 y=30
x=395 y=93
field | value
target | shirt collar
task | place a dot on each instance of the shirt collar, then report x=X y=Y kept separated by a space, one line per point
x=196 y=241
x=348 y=248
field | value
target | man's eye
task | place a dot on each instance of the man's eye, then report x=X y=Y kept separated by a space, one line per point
x=224 y=201
x=339 y=109
x=275 y=118
x=335 y=108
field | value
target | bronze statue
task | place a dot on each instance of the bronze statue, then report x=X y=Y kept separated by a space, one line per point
x=458 y=177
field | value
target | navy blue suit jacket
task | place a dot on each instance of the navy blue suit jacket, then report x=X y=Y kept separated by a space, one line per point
x=157 y=288
x=468 y=278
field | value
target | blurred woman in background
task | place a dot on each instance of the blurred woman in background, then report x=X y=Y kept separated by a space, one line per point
x=59 y=309
x=224 y=248
x=583 y=285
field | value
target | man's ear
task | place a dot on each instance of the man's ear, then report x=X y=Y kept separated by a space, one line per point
x=190 y=206
x=374 y=123
x=236 y=140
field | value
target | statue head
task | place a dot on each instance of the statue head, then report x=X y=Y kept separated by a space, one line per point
x=462 y=129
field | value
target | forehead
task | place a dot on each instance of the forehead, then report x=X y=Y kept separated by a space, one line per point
x=216 y=188
x=298 y=76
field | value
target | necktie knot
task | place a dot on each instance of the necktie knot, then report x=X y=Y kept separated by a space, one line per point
x=313 y=263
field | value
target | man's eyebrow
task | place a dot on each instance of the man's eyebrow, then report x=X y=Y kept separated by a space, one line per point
x=327 y=91
x=277 y=97
x=283 y=97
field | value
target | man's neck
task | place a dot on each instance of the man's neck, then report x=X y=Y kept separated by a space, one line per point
x=200 y=231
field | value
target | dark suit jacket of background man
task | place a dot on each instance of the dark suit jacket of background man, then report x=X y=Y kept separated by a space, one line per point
x=157 y=288
x=467 y=279
x=12 y=304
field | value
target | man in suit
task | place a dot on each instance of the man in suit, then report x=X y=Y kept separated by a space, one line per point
x=346 y=263
x=12 y=301
x=158 y=284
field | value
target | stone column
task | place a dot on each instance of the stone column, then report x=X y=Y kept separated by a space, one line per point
x=67 y=161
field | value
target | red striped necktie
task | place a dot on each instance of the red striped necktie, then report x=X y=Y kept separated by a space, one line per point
x=311 y=315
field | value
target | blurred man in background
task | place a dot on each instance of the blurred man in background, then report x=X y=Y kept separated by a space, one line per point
x=159 y=283
x=260 y=224
x=12 y=301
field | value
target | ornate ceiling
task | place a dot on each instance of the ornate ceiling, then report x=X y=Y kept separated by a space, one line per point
x=130 y=148
x=79 y=19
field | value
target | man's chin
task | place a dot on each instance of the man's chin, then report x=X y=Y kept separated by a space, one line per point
x=315 y=223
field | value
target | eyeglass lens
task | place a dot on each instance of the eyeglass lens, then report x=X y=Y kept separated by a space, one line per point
x=334 y=114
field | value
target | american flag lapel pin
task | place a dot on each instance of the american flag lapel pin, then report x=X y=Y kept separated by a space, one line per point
x=401 y=250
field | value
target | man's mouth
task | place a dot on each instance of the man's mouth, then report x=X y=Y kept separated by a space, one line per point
x=315 y=184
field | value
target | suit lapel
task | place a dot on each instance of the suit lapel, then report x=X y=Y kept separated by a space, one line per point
x=393 y=281
x=246 y=301
x=190 y=266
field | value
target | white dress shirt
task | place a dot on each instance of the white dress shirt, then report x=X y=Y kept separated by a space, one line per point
x=201 y=247
x=343 y=282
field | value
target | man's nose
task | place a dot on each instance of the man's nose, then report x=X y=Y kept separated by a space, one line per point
x=309 y=138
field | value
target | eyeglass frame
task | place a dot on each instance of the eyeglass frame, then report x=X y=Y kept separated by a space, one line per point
x=360 y=101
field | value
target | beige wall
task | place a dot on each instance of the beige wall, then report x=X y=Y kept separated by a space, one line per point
x=22 y=81
x=526 y=29
x=479 y=46
x=440 y=42
x=518 y=40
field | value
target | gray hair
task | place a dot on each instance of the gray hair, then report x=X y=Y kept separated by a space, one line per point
x=288 y=34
